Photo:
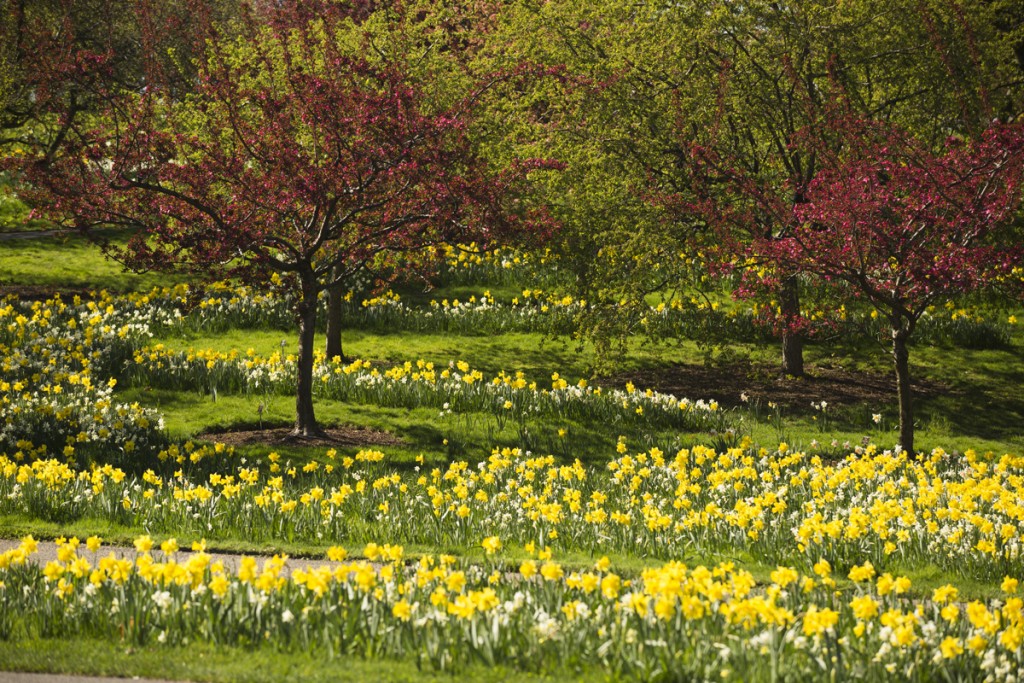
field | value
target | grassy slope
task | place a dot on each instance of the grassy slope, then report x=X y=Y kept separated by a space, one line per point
x=973 y=402
x=978 y=405
x=67 y=262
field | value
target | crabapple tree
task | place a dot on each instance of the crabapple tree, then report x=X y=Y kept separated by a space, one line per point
x=905 y=226
x=292 y=154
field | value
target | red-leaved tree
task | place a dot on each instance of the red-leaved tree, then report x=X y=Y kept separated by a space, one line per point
x=292 y=154
x=904 y=226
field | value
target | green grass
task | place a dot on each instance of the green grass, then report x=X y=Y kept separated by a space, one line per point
x=972 y=400
x=189 y=415
x=14 y=215
x=204 y=662
x=69 y=262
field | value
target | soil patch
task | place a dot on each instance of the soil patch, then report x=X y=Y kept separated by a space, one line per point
x=44 y=292
x=332 y=436
x=727 y=384
x=8 y=235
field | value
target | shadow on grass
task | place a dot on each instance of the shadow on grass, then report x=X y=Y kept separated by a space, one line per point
x=958 y=392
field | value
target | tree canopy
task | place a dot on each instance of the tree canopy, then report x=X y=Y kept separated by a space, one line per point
x=652 y=80
x=905 y=227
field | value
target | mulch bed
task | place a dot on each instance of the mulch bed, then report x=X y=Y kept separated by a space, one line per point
x=333 y=436
x=44 y=292
x=726 y=384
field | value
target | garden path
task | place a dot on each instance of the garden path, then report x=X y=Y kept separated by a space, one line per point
x=20 y=677
x=47 y=552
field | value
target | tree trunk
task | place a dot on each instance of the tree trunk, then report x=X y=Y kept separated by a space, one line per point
x=792 y=339
x=334 y=302
x=305 y=418
x=901 y=360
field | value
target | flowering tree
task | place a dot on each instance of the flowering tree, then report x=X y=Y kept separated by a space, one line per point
x=57 y=55
x=903 y=226
x=294 y=156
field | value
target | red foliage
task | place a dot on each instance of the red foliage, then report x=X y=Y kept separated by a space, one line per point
x=55 y=69
x=892 y=221
x=288 y=155
x=903 y=225
x=330 y=166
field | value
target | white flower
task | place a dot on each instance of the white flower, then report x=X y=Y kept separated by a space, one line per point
x=762 y=639
x=546 y=628
x=287 y=617
x=162 y=599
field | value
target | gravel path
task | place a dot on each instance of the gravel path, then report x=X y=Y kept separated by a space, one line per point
x=48 y=551
x=16 y=677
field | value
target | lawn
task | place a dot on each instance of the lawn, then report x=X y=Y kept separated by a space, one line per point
x=68 y=263
x=507 y=517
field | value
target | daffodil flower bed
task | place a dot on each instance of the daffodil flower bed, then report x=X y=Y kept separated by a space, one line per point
x=226 y=307
x=467 y=264
x=56 y=360
x=60 y=359
x=455 y=387
x=76 y=417
x=703 y=623
x=222 y=306
x=64 y=439
x=537 y=310
x=963 y=515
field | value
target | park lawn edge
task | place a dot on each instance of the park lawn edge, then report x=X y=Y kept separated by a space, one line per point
x=218 y=664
